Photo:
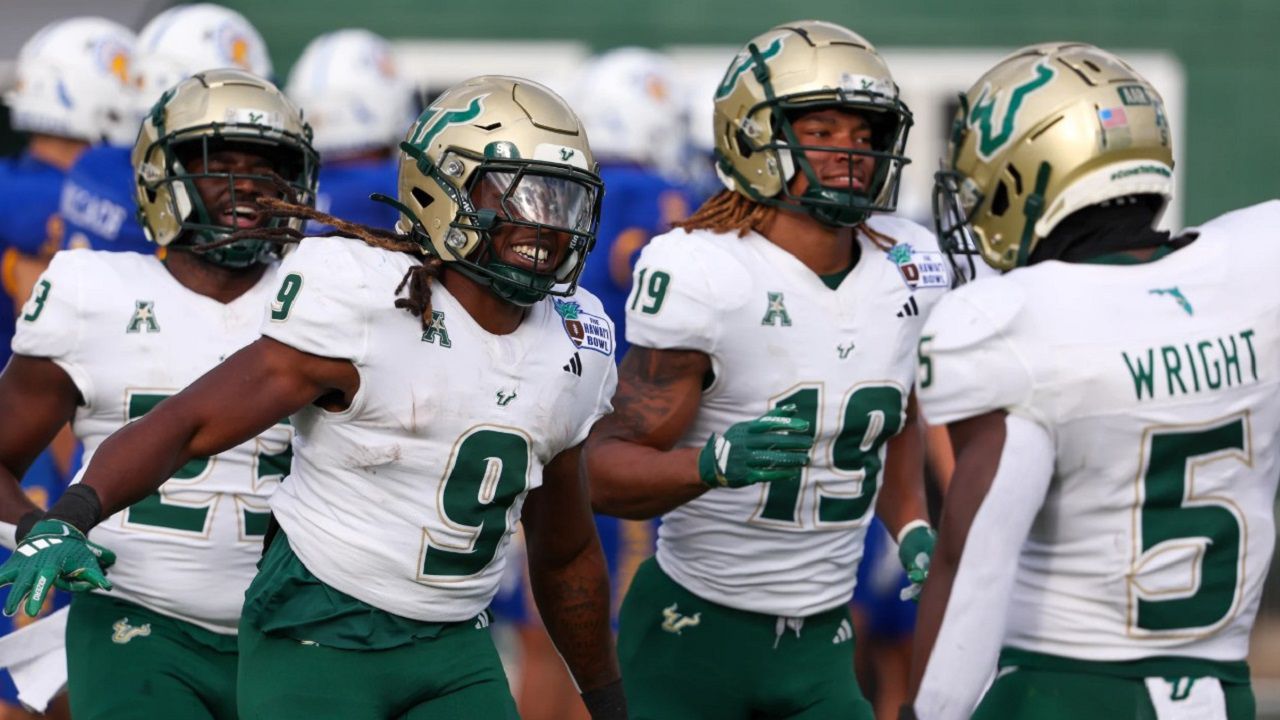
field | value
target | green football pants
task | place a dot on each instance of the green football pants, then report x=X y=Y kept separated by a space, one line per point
x=125 y=662
x=1035 y=694
x=685 y=658
x=455 y=675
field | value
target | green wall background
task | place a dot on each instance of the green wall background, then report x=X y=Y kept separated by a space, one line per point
x=1229 y=49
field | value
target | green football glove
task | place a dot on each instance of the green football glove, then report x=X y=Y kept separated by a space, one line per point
x=915 y=549
x=771 y=448
x=106 y=558
x=54 y=552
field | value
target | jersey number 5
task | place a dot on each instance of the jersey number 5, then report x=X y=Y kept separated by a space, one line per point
x=1175 y=518
x=872 y=414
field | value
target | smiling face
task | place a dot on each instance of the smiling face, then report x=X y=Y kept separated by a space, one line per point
x=229 y=181
x=539 y=250
x=842 y=130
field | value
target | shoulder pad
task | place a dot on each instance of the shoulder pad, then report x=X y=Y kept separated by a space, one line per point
x=1245 y=222
x=974 y=312
x=706 y=263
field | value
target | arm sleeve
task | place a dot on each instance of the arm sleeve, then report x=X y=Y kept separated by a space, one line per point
x=674 y=303
x=322 y=304
x=969 y=362
x=51 y=323
x=972 y=630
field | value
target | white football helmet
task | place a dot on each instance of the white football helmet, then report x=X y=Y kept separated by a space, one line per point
x=188 y=39
x=354 y=96
x=631 y=108
x=73 y=81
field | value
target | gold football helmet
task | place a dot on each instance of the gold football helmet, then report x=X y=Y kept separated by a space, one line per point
x=1051 y=129
x=206 y=112
x=514 y=140
x=787 y=71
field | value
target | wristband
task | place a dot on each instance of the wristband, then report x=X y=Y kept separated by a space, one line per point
x=79 y=507
x=26 y=522
x=606 y=702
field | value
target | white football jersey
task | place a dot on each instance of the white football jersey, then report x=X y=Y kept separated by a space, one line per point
x=1158 y=384
x=408 y=499
x=130 y=335
x=776 y=334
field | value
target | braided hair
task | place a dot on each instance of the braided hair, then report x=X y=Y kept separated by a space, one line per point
x=728 y=211
x=417 y=279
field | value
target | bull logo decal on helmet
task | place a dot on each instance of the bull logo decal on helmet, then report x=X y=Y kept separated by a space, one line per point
x=744 y=63
x=982 y=115
x=443 y=118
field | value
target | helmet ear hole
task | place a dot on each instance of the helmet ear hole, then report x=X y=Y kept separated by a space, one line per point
x=421 y=196
x=1000 y=199
x=744 y=144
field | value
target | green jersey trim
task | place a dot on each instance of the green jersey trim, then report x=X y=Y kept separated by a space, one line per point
x=1236 y=672
x=1124 y=258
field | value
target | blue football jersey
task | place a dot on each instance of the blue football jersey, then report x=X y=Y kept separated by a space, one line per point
x=97 y=203
x=29 y=191
x=638 y=204
x=344 y=191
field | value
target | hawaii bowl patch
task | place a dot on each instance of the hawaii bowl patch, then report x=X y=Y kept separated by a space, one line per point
x=585 y=331
x=920 y=269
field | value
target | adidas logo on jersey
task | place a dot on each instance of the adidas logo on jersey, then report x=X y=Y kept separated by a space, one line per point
x=482 y=620
x=574 y=365
x=909 y=308
x=844 y=633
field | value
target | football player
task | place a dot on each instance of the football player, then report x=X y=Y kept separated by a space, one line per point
x=70 y=93
x=629 y=109
x=1113 y=408
x=353 y=94
x=422 y=437
x=97 y=205
x=766 y=401
x=106 y=337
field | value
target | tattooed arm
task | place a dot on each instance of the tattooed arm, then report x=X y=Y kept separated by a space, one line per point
x=633 y=470
x=567 y=572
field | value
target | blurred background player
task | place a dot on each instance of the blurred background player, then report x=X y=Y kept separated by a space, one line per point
x=359 y=104
x=630 y=109
x=1113 y=404
x=97 y=203
x=632 y=112
x=71 y=93
x=106 y=337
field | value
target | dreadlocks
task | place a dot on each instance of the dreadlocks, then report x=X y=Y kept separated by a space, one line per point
x=418 y=301
x=728 y=211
